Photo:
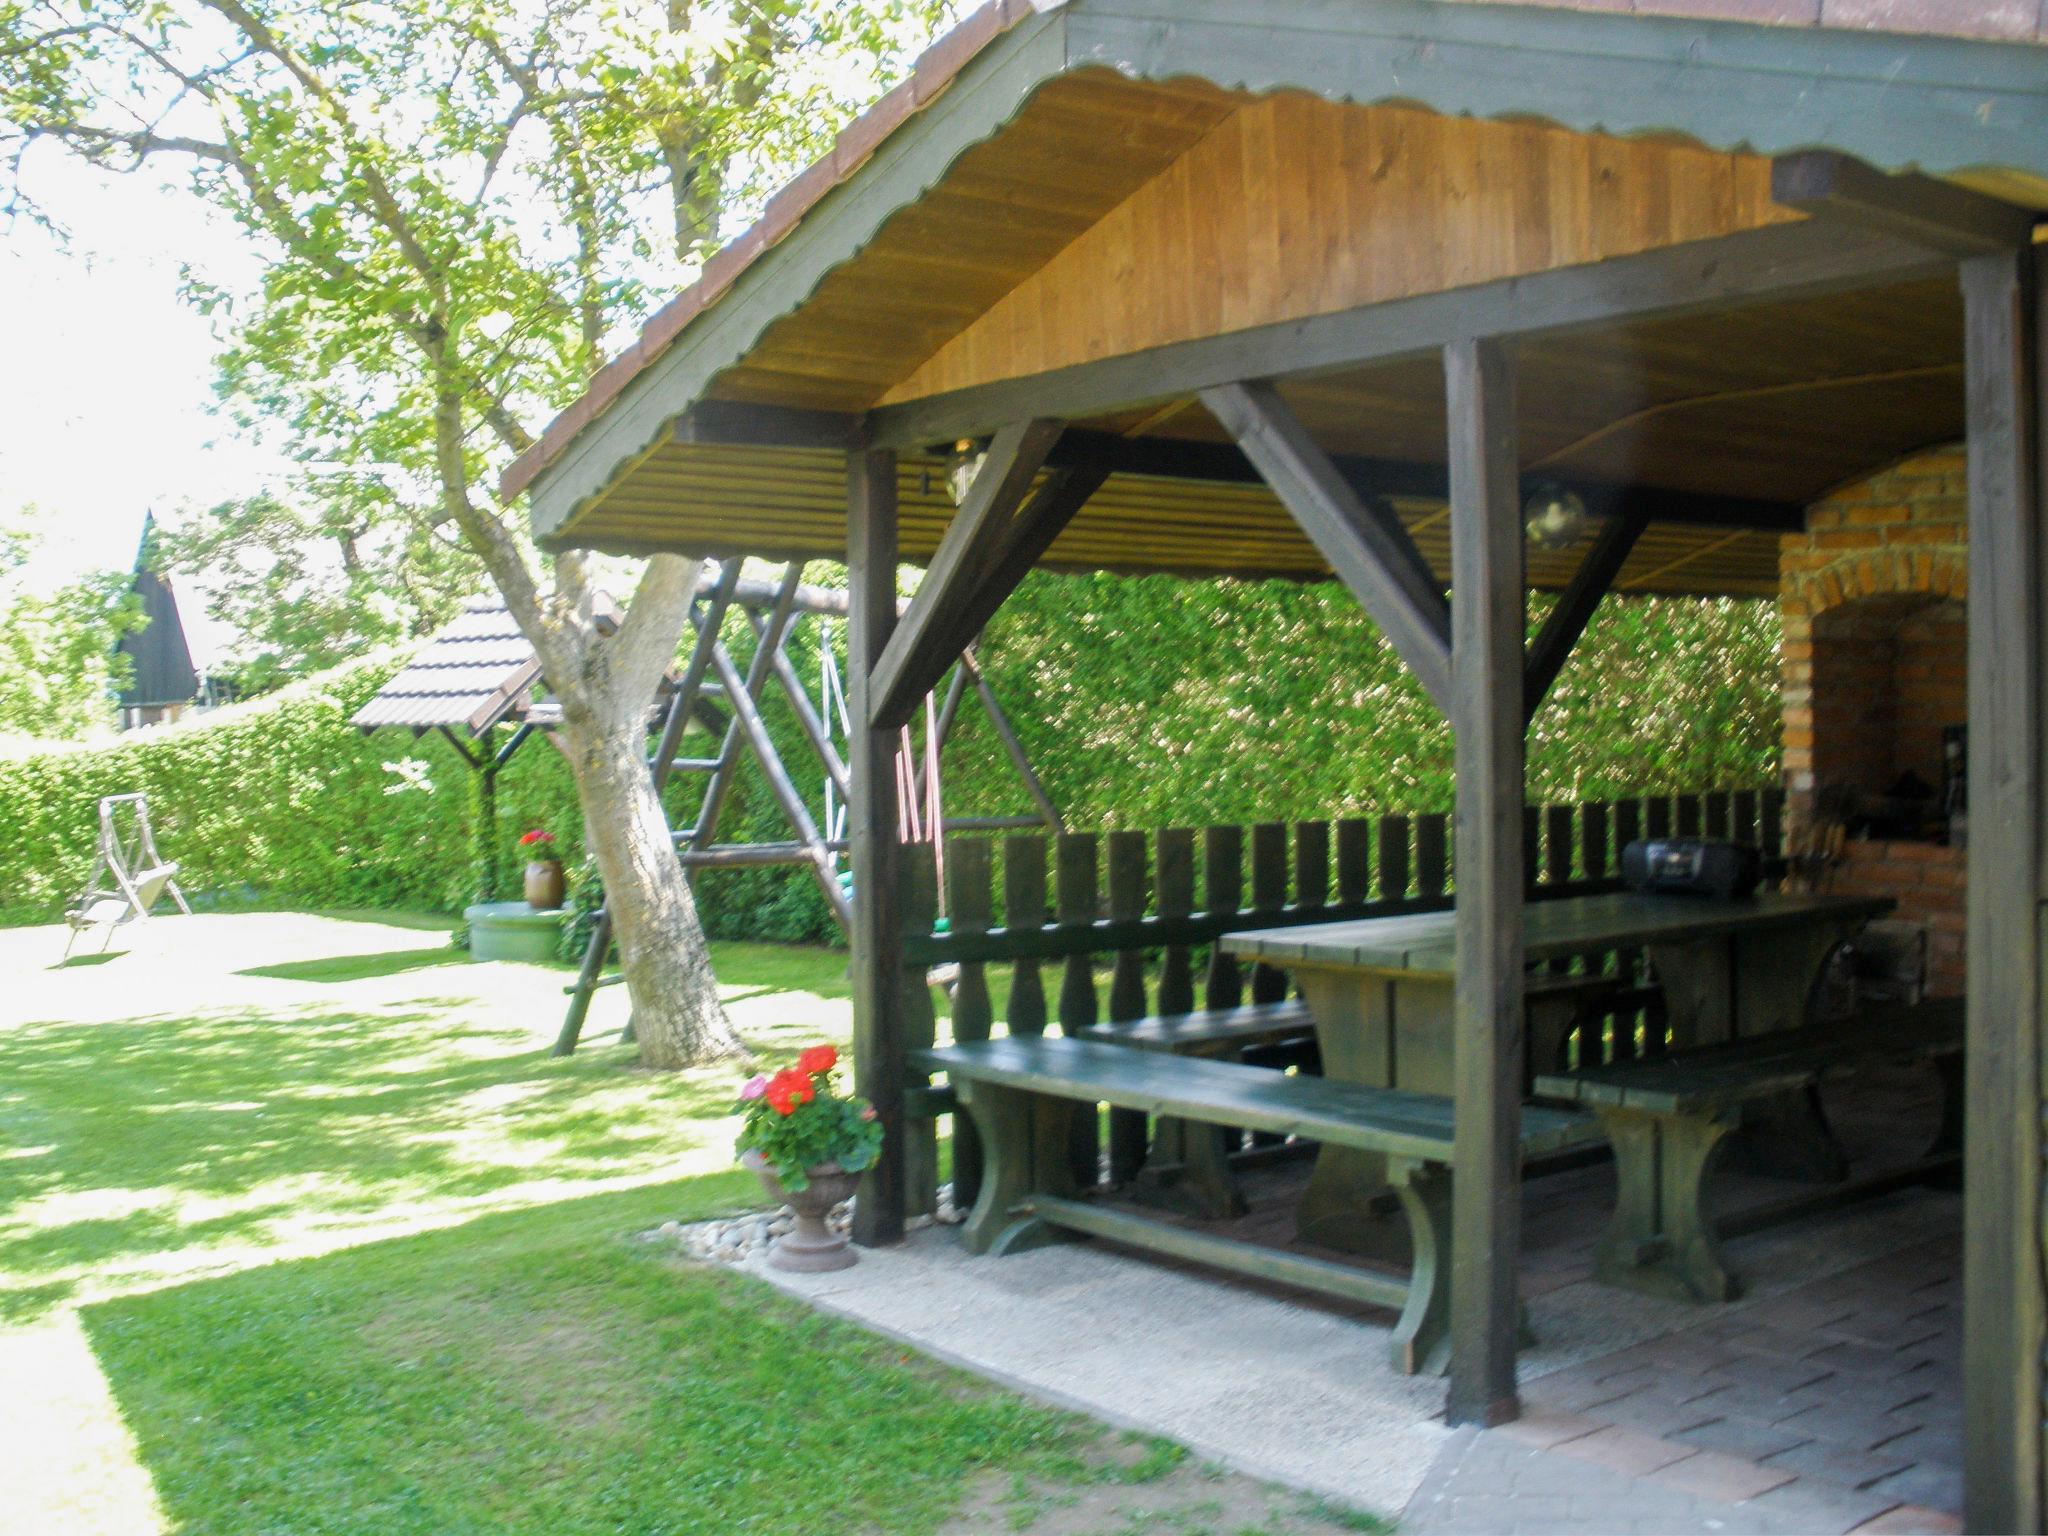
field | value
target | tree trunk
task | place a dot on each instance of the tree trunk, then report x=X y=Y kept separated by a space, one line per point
x=677 y=1017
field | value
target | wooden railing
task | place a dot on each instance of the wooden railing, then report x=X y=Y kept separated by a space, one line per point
x=1051 y=909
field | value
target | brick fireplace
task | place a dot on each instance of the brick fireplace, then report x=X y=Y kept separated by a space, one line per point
x=1875 y=672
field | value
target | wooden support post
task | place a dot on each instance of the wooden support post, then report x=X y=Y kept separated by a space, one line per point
x=2002 y=1237
x=876 y=933
x=1487 y=622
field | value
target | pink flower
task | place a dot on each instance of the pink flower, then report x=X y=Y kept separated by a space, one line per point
x=754 y=1087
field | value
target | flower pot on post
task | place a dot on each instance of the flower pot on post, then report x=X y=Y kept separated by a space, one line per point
x=809 y=1147
x=546 y=889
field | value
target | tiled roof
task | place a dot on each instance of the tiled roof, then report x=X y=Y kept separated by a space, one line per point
x=936 y=67
x=469 y=676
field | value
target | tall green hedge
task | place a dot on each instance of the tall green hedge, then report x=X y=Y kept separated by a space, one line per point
x=1141 y=700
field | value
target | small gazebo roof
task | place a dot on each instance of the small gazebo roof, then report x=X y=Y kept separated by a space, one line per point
x=471 y=675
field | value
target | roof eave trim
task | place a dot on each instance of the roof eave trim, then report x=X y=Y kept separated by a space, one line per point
x=1934 y=104
x=988 y=92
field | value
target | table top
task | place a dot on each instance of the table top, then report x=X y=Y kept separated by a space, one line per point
x=1425 y=943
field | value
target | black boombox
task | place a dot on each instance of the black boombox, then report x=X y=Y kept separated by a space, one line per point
x=1691 y=866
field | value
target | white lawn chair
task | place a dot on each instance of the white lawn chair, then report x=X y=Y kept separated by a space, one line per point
x=129 y=877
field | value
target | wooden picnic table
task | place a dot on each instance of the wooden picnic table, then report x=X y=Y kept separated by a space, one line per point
x=1381 y=993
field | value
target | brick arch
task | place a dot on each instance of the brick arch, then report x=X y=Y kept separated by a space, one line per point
x=1895 y=571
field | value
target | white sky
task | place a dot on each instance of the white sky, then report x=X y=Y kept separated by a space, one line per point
x=108 y=373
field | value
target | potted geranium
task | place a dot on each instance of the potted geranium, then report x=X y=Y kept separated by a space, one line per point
x=545 y=887
x=808 y=1146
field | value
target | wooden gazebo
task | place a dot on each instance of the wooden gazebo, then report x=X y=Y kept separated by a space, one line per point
x=1308 y=289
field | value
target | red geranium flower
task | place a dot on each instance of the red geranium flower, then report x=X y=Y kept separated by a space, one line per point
x=787 y=1089
x=819 y=1058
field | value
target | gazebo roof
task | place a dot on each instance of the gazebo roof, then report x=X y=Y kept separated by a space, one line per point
x=470 y=676
x=975 y=236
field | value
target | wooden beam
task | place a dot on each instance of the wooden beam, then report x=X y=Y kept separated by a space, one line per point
x=1486 y=718
x=875 y=963
x=1938 y=215
x=747 y=719
x=719 y=785
x=461 y=747
x=1037 y=524
x=1365 y=544
x=1575 y=605
x=1782 y=261
x=923 y=644
x=1006 y=733
x=750 y=424
x=2002 y=1286
x=1174 y=458
x=683 y=706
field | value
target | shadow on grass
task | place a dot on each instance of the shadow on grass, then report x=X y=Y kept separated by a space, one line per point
x=539 y=1371
x=138 y=1137
x=80 y=962
x=339 y=968
x=129 y=1149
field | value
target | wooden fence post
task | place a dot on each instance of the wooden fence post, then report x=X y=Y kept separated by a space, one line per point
x=1175 y=879
x=1222 y=893
x=1079 y=902
x=1024 y=908
x=1128 y=892
x=970 y=900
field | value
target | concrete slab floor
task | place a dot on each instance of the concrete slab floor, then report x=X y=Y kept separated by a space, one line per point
x=1828 y=1397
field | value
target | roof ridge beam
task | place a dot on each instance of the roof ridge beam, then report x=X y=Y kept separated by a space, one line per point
x=1363 y=541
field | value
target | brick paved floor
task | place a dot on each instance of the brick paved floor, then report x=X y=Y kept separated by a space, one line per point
x=1824 y=1401
x=1832 y=1406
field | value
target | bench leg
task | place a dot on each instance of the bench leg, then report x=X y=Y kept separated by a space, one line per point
x=1189 y=1171
x=1347 y=1205
x=1126 y=1144
x=1422 y=1338
x=1025 y=1144
x=1662 y=1240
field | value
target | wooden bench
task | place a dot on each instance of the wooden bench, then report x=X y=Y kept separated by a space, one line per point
x=1023 y=1092
x=1210 y=1031
x=1669 y=1117
x=1187 y=1166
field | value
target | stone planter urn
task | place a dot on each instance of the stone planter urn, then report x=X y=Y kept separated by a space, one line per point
x=810 y=1247
x=545 y=886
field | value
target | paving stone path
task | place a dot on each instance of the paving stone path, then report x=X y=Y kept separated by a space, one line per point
x=1834 y=1407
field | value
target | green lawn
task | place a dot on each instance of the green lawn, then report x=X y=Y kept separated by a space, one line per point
x=540 y=1372
x=303 y=1231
